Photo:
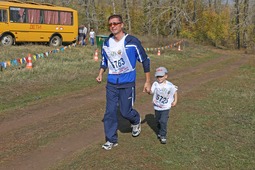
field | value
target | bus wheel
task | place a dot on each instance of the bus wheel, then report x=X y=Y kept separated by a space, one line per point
x=55 y=41
x=7 y=40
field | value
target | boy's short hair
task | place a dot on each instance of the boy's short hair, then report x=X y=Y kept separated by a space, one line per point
x=161 y=71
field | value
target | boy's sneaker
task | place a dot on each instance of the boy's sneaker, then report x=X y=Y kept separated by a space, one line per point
x=163 y=140
x=136 y=129
x=108 y=145
x=158 y=136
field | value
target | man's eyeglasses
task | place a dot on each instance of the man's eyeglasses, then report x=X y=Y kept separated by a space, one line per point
x=114 y=24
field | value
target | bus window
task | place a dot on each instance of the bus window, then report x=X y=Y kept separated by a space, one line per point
x=50 y=17
x=33 y=16
x=17 y=14
x=66 y=18
x=3 y=15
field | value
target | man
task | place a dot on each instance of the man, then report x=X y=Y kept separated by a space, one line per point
x=82 y=35
x=85 y=30
x=120 y=52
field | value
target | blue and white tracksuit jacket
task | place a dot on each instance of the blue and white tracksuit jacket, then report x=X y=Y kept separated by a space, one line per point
x=120 y=88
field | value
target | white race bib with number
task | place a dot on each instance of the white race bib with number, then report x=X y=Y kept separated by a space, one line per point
x=118 y=61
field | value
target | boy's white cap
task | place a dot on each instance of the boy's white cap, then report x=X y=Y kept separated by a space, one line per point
x=161 y=71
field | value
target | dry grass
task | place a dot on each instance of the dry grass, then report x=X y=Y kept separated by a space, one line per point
x=212 y=127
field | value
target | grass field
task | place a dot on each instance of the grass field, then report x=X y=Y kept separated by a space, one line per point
x=212 y=127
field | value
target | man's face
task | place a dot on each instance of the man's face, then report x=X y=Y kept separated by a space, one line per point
x=115 y=26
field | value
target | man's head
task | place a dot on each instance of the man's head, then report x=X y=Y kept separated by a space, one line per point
x=115 y=23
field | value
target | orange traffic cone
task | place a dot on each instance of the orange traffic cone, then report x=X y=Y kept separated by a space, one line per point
x=29 y=63
x=96 y=55
x=179 y=47
x=158 y=51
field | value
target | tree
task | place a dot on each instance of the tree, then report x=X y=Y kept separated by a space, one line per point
x=127 y=14
x=237 y=8
x=246 y=23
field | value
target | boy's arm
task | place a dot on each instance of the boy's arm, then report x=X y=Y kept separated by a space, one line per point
x=175 y=99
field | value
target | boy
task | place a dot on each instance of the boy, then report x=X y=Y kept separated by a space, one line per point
x=92 y=36
x=164 y=96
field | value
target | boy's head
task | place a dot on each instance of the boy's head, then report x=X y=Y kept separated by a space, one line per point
x=161 y=74
x=160 y=71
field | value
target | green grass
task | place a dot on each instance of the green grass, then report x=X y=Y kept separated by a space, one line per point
x=57 y=74
x=212 y=131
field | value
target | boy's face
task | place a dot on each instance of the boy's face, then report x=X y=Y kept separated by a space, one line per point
x=161 y=79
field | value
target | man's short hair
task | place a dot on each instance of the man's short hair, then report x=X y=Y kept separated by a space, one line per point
x=115 y=16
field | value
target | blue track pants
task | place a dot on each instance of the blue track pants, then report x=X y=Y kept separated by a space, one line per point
x=124 y=97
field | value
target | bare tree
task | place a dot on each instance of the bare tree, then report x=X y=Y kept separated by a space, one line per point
x=113 y=7
x=246 y=23
x=87 y=13
x=195 y=10
x=148 y=16
x=127 y=14
x=93 y=21
x=237 y=16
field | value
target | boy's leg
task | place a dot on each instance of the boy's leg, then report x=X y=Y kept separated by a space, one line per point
x=164 y=116
x=110 y=116
x=157 y=118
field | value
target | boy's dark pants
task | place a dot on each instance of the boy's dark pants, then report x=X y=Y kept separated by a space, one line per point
x=162 y=117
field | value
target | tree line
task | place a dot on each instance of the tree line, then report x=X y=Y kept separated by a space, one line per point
x=222 y=23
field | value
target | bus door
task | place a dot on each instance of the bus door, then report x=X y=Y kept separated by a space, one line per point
x=4 y=25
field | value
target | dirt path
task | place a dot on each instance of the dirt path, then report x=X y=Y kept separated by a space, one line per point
x=44 y=157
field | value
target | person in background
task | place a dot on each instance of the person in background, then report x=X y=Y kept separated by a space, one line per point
x=120 y=53
x=164 y=97
x=92 y=36
x=82 y=35
x=85 y=30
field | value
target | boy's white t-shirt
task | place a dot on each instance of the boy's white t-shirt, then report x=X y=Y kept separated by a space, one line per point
x=163 y=95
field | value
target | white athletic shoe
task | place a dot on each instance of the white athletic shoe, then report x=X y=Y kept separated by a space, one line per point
x=163 y=140
x=136 y=129
x=108 y=145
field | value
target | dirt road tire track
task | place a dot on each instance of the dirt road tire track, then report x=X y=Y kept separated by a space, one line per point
x=63 y=147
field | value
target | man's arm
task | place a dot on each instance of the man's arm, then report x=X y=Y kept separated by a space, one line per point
x=100 y=75
x=147 y=84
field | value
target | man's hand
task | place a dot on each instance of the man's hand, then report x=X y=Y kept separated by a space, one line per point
x=147 y=87
x=99 y=78
x=147 y=84
x=100 y=75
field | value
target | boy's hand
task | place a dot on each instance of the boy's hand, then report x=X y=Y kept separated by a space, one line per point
x=174 y=103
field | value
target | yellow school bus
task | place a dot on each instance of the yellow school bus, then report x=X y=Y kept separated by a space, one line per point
x=34 y=22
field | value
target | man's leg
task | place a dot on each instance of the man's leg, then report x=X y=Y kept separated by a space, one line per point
x=127 y=98
x=110 y=117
